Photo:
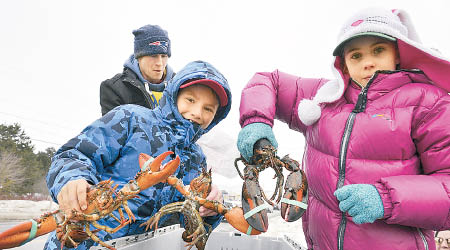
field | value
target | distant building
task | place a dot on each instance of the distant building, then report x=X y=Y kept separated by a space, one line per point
x=231 y=199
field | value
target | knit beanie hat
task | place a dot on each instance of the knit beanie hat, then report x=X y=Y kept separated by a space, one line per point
x=394 y=25
x=374 y=22
x=151 y=40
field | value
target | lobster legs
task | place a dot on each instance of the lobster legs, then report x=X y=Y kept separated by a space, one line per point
x=103 y=200
x=195 y=233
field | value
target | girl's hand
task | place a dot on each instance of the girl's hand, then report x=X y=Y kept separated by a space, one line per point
x=360 y=201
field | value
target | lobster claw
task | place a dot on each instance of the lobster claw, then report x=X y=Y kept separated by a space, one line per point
x=235 y=217
x=22 y=233
x=295 y=198
x=151 y=171
x=252 y=202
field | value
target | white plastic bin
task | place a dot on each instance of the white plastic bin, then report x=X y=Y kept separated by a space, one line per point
x=169 y=238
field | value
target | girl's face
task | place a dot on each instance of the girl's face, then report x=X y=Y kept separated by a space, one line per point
x=365 y=55
x=198 y=104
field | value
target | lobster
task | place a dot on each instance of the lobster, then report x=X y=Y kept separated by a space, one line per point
x=102 y=199
x=196 y=230
x=294 y=199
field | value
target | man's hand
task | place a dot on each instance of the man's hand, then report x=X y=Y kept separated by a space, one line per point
x=216 y=195
x=73 y=196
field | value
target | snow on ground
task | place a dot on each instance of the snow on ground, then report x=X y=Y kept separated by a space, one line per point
x=24 y=210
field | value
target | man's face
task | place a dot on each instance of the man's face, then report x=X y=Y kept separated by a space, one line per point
x=365 y=55
x=442 y=240
x=152 y=67
x=198 y=104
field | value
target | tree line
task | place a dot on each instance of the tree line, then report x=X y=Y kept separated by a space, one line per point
x=21 y=170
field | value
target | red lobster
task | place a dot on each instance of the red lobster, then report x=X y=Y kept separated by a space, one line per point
x=102 y=201
x=195 y=232
x=294 y=200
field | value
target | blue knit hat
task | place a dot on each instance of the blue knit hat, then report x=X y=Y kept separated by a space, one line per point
x=151 y=40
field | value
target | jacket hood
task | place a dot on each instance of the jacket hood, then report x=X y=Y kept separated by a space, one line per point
x=133 y=64
x=195 y=70
x=413 y=55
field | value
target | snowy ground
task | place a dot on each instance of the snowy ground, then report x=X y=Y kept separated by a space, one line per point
x=24 y=210
x=20 y=210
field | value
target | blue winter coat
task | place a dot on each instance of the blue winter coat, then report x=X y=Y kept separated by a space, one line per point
x=109 y=149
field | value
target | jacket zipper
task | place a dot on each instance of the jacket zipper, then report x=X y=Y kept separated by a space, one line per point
x=360 y=106
x=146 y=94
x=425 y=243
x=342 y=158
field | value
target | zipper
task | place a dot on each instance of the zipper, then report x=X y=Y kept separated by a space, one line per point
x=144 y=92
x=360 y=106
x=344 y=146
x=425 y=243
x=342 y=158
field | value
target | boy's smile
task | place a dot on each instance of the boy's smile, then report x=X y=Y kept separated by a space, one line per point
x=198 y=104
x=365 y=55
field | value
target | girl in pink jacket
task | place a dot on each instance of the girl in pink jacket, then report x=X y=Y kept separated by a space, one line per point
x=377 y=155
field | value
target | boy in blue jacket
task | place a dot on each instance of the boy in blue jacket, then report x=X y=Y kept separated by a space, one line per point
x=194 y=101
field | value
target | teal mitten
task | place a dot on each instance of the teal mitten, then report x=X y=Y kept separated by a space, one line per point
x=361 y=201
x=250 y=134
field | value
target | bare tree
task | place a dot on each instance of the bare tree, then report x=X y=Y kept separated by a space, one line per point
x=12 y=175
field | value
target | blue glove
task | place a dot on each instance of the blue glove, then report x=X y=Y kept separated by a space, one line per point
x=361 y=201
x=250 y=134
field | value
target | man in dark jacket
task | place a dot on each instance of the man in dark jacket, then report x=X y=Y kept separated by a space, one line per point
x=145 y=73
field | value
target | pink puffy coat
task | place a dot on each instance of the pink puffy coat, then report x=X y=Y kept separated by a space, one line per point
x=395 y=135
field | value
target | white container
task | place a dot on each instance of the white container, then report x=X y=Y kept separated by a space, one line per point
x=169 y=238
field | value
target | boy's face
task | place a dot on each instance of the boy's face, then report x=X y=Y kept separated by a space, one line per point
x=365 y=55
x=198 y=104
x=152 y=67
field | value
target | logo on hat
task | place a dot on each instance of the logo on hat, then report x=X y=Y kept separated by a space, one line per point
x=358 y=22
x=159 y=43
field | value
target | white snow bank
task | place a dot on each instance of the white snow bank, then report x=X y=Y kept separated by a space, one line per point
x=24 y=210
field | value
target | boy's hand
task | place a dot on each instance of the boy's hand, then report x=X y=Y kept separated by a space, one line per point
x=216 y=195
x=73 y=196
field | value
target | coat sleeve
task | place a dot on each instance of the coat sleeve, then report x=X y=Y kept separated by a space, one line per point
x=86 y=155
x=109 y=98
x=423 y=200
x=275 y=95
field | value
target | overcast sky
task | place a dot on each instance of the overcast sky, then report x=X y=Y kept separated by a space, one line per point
x=55 y=54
